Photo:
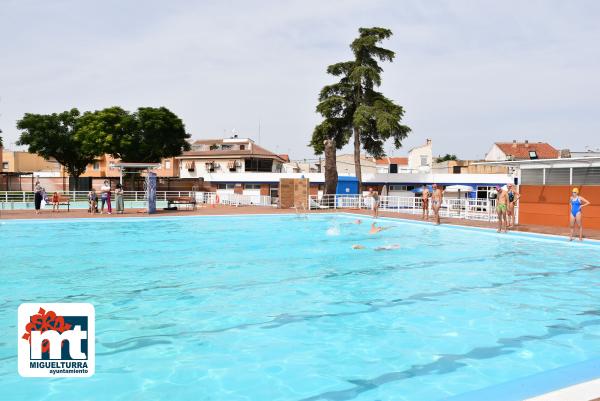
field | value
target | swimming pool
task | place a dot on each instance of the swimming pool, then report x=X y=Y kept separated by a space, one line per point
x=282 y=308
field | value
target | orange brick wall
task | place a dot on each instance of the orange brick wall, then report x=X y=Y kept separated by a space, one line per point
x=549 y=205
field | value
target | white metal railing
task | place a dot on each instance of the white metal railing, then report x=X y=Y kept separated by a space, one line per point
x=25 y=199
x=464 y=208
x=242 y=200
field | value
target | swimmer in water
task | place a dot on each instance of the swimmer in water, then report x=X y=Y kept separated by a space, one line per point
x=374 y=229
x=379 y=248
x=387 y=247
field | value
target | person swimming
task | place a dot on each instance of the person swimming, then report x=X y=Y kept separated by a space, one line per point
x=374 y=229
x=390 y=247
x=379 y=248
x=576 y=203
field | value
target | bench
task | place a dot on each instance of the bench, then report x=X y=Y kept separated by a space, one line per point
x=63 y=200
x=182 y=200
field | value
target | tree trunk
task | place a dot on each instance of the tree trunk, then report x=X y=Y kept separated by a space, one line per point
x=331 y=174
x=357 y=158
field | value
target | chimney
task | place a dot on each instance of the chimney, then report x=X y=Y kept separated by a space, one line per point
x=514 y=145
x=526 y=143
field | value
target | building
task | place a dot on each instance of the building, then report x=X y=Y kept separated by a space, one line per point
x=25 y=162
x=346 y=166
x=526 y=150
x=233 y=166
x=466 y=167
x=420 y=158
x=21 y=169
x=104 y=167
x=392 y=165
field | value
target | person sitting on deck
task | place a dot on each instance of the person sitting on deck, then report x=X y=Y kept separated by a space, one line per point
x=92 y=201
x=55 y=201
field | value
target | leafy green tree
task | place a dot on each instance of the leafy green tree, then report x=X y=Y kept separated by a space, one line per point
x=55 y=136
x=445 y=158
x=1 y=144
x=147 y=135
x=353 y=108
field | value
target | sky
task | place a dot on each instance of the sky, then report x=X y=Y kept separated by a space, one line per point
x=468 y=73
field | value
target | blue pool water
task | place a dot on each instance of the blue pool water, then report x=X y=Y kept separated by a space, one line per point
x=282 y=308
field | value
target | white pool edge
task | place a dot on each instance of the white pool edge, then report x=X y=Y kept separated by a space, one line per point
x=586 y=391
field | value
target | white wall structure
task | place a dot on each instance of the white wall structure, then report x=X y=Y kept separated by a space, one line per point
x=421 y=158
x=495 y=154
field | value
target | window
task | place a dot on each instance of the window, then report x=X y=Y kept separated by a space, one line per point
x=456 y=169
x=483 y=192
x=533 y=154
x=586 y=175
x=259 y=165
x=252 y=186
x=96 y=166
x=225 y=147
x=424 y=160
x=242 y=147
x=558 y=176
x=402 y=187
x=226 y=186
x=532 y=176
x=5 y=165
x=167 y=164
x=393 y=168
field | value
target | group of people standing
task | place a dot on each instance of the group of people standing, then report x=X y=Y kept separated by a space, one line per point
x=105 y=199
x=506 y=200
x=436 y=195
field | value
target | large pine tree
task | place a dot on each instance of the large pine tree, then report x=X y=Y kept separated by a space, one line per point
x=353 y=108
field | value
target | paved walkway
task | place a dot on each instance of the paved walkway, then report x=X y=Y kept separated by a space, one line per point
x=232 y=210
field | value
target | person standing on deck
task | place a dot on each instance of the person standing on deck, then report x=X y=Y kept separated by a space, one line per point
x=425 y=194
x=576 y=203
x=119 y=199
x=375 y=195
x=502 y=209
x=105 y=197
x=513 y=198
x=436 y=202
x=38 y=196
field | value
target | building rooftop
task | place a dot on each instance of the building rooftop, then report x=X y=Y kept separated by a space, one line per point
x=251 y=150
x=522 y=150
x=392 y=160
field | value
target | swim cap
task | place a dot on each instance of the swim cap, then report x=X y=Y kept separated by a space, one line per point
x=576 y=190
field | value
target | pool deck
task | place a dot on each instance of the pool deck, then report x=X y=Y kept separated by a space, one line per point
x=232 y=210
